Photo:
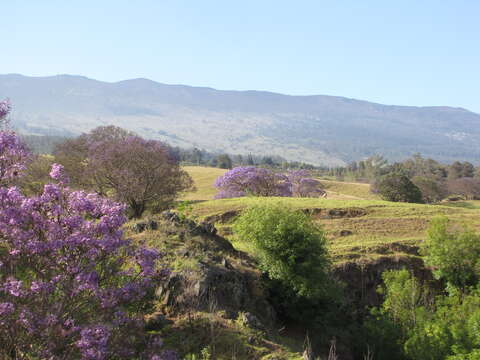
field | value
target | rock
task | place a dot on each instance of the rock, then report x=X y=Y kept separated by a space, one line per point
x=156 y=321
x=216 y=288
x=152 y=225
x=226 y=264
x=222 y=218
x=139 y=227
x=170 y=216
x=208 y=228
x=252 y=321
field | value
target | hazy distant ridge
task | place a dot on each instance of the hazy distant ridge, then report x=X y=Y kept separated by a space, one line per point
x=319 y=129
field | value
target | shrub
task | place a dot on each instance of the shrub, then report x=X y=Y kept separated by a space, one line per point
x=291 y=248
x=66 y=287
x=399 y=188
x=453 y=254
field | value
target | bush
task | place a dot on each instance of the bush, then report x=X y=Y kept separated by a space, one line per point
x=454 y=254
x=399 y=188
x=291 y=248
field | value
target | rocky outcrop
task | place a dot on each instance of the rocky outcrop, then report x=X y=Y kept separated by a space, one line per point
x=222 y=278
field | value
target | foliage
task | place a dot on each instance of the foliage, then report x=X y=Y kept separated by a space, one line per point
x=447 y=326
x=223 y=161
x=13 y=153
x=461 y=169
x=454 y=254
x=73 y=153
x=431 y=189
x=398 y=188
x=68 y=287
x=139 y=172
x=468 y=187
x=185 y=210
x=251 y=180
x=135 y=171
x=291 y=248
x=403 y=296
x=302 y=185
x=36 y=175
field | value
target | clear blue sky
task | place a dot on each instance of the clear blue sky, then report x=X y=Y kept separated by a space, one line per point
x=393 y=52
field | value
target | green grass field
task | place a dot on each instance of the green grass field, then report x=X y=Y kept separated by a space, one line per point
x=203 y=177
x=361 y=227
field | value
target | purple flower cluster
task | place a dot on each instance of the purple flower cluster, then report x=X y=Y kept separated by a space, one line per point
x=303 y=185
x=71 y=285
x=251 y=180
x=13 y=157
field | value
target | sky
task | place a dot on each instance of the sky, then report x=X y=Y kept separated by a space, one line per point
x=420 y=53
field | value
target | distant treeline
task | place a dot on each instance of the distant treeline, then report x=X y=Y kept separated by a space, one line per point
x=370 y=169
x=45 y=144
x=366 y=170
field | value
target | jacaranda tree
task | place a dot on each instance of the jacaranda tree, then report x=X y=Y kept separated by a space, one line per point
x=71 y=285
x=251 y=180
x=303 y=185
x=135 y=171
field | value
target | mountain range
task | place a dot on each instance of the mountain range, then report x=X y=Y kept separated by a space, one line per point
x=319 y=129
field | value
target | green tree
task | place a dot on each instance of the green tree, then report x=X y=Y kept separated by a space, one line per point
x=431 y=189
x=399 y=188
x=454 y=254
x=291 y=248
x=223 y=161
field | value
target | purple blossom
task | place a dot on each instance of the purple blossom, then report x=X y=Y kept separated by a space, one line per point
x=58 y=173
x=6 y=308
x=93 y=343
x=303 y=185
x=66 y=281
x=250 y=180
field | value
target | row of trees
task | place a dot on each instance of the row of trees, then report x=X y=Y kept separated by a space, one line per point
x=396 y=186
x=375 y=166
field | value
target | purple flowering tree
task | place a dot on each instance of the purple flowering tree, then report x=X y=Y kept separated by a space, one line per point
x=303 y=185
x=110 y=160
x=138 y=172
x=250 y=180
x=13 y=153
x=71 y=285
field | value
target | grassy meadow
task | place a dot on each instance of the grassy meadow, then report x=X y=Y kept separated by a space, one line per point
x=358 y=225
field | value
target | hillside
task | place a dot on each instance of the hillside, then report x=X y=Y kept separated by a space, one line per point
x=360 y=227
x=319 y=129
